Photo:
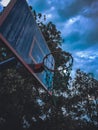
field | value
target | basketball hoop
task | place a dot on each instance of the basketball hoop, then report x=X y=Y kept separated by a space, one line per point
x=55 y=61
x=63 y=61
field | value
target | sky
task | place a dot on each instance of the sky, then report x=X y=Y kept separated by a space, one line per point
x=77 y=20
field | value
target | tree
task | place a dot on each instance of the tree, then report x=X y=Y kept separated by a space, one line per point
x=83 y=106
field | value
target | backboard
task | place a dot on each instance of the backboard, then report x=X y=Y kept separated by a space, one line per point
x=20 y=33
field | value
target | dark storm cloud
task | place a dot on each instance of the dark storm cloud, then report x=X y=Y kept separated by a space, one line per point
x=91 y=11
x=83 y=33
x=72 y=37
x=39 y=5
x=92 y=36
x=67 y=9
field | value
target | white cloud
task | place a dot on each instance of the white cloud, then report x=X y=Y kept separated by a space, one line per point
x=4 y=2
x=72 y=20
x=49 y=16
x=87 y=54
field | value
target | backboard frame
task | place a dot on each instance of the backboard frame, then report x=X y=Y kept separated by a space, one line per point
x=3 y=17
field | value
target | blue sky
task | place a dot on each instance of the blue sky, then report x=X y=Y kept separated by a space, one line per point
x=77 y=20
